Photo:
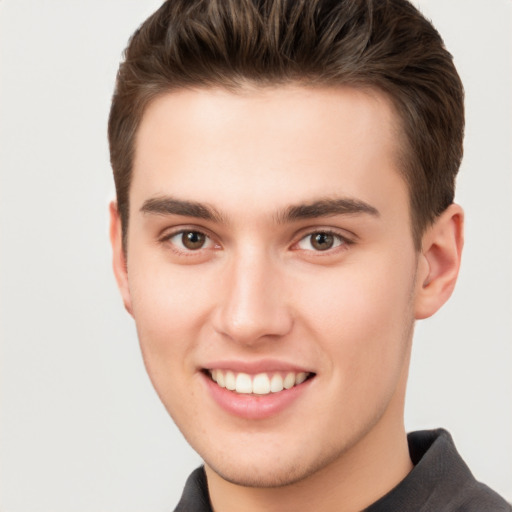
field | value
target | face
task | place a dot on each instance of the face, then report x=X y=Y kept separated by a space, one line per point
x=271 y=273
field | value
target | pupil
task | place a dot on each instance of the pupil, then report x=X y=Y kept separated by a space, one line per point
x=193 y=240
x=322 y=241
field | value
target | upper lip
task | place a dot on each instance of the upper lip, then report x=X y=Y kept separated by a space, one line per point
x=254 y=367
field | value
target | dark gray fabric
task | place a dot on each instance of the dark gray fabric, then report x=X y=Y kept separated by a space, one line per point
x=195 y=495
x=439 y=482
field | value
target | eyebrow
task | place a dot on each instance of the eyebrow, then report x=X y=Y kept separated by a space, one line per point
x=167 y=205
x=326 y=208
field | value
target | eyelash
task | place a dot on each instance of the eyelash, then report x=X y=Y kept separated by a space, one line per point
x=166 y=239
x=342 y=242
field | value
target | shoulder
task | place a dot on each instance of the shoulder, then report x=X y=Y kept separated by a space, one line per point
x=477 y=497
x=454 y=488
x=439 y=482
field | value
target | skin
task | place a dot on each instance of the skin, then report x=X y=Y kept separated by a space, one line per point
x=259 y=289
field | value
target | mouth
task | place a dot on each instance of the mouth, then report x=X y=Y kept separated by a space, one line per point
x=263 y=383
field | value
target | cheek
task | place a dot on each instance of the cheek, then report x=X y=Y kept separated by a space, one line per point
x=168 y=312
x=361 y=299
x=169 y=308
x=369 y=344
x=364 y=315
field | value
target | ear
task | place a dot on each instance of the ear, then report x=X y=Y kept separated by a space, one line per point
x=439 y=262
x=119 y=256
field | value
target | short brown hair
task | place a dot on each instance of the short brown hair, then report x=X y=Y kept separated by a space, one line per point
x=382 y=44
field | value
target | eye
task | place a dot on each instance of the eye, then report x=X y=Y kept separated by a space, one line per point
x=321 y=241
x=190 y=240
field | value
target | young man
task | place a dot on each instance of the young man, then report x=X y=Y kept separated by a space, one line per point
x=285 y=179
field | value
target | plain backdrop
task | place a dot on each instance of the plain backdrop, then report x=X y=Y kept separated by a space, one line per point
x=81 y=427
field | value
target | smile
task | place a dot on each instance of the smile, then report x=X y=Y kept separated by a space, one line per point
x=259 y=384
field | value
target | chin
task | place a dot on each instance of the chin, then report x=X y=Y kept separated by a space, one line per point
x=260 y=477
x=273 y=472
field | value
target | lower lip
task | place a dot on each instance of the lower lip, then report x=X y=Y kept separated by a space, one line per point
x=254 y=407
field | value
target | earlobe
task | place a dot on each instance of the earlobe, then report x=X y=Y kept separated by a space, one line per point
x=119 y=256
x=439 y=263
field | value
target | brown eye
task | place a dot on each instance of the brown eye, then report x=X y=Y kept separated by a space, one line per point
x=319 y=241
x=193 y=240
x=322 y=241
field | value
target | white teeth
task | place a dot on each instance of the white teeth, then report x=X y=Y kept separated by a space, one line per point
x=276 y=383
x=289 y=381
x=301 y=377
x=260 y=384
x=243 y=383
x=230 y=381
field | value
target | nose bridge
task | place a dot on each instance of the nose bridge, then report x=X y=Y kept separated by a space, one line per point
x=253 y=304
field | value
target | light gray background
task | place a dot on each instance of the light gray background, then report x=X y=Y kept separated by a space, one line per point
x=81 y=428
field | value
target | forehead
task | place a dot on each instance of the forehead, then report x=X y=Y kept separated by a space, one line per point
x=270 y=146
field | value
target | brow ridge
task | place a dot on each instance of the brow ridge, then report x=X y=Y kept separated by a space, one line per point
x=167 y=205
x=326 y=207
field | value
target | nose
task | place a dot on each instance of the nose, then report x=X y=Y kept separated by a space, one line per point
x=252 y=304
